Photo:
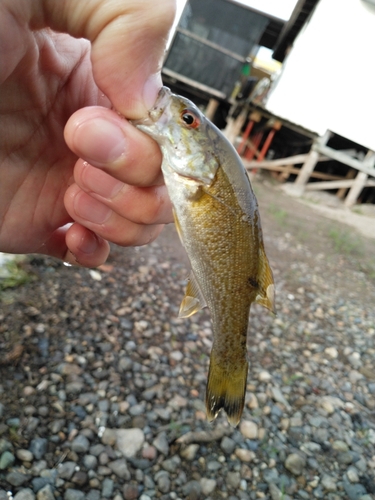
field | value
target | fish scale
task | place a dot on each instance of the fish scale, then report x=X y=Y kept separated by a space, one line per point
x=217 y=218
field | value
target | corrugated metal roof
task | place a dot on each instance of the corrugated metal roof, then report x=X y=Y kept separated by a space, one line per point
x=300 y=15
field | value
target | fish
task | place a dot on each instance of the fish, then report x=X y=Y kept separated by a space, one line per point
x=217 y=218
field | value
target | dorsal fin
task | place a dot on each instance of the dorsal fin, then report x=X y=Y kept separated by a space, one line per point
x=266 y=295
x=193 y=300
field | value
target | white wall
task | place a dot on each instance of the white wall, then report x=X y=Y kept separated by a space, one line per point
x=328 y=79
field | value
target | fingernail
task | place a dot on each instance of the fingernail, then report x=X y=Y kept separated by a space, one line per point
x=151 y=90
x=91 y=210
x=88 y=243
x=99 y=141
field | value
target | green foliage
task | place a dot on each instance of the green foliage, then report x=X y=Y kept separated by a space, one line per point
x=344 y=242
x=13 y=275
x=279 y=214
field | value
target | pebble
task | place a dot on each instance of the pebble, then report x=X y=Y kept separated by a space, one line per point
x=190 y=452
x=72 y=494
x=295 y=463
x=38 y=447
x=24 y=455
x=107 y=487
x=207 y=485
x=352 y=474
x=16 y=478
x=129 y=441
x=161 y=443
x=328 y=483
x=66 y=469
x=130 y=492
x=249 y=429
x=24 y=494
x=110 y=403
x=227 y=445
x=6 y=460
x=81 y=444
x=245 y=455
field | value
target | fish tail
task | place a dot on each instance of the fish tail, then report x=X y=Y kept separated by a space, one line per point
x=226 y=390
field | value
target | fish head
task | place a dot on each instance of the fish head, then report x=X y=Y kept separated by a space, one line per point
x=185 y=135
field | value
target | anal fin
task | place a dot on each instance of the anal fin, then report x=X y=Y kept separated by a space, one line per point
x=193 y=300
x=266 y=294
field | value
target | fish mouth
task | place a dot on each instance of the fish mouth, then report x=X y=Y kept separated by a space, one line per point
x=156 y=111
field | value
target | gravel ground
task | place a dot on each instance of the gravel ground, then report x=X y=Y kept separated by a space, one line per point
x=102 y=388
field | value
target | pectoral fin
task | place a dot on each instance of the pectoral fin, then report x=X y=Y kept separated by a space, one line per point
x=193 y=300
x=266 y=295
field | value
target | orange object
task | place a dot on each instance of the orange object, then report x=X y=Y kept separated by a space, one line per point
x=267 y=144
x=241 y=148
x=253 y=149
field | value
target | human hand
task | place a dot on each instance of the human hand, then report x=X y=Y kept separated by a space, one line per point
x=46 y=77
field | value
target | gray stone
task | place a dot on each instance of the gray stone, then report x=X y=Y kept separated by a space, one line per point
x=93 y=495
x=227 y=445
x=129 y=441
x=125 y=364
x=354 y=491
x=79 y=478
x=161 y=443
x=329 y=483
x=233 y=479
x=6 y=460
x=107 y=488
x=352 y=474
x=5 y=445
x=295 y=463
x=109 y=437
x=213 y=465
x=163 y=482
x=81 y=444
x=72 y=494
x=16 y=478
x=90 y=462
x=171 y=464
x=38 y=447
x=275 y=493
x=66 y=469
x=24 y=494
x=207 y=485
x=192 y=490
x=344 y=458
x=40 y=482
x=46 y=493
x=270 y=475
x=120 y=468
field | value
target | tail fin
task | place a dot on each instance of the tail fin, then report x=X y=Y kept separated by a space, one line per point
x=225 y=390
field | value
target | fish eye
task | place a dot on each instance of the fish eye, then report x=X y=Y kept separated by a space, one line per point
x=190 y=118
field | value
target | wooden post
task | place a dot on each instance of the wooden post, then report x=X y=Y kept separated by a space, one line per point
x=360 y=181
x=233 y=128
x=309 y=165
x=211 y=108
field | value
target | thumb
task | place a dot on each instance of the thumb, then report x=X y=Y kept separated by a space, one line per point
x=128 y=42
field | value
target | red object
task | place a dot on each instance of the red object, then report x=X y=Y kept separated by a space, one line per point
x=242 y=146
x=266 y=145
x=253 y=149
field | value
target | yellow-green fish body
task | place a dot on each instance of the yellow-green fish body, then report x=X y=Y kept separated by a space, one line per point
x=217 y=218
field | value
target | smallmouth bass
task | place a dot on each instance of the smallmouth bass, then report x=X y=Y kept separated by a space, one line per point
x=217 y=218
